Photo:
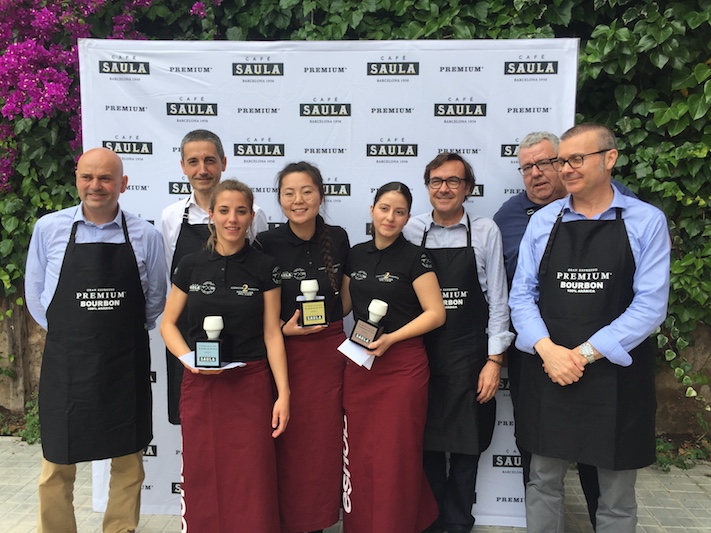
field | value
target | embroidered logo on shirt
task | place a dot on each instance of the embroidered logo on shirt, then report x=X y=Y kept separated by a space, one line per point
x=359 y=275
x=244 y=290
x=387 y=277
x=206 y=287
x=426 y=261
x=276 y=276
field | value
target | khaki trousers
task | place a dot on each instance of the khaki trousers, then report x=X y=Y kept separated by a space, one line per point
x=56 y=496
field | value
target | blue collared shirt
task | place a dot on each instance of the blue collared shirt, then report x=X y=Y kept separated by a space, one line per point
x=49 y=242
x=486 y=241
x=649 y=240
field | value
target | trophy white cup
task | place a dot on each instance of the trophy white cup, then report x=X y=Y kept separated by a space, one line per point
x=364 y=332
x=208 y=353
x=312 y=307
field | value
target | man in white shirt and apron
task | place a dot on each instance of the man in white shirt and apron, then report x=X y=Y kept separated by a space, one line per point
x=184 y=226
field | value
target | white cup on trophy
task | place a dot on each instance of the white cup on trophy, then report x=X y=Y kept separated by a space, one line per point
x=366 y=331
x=208 y=352
x=312 y=307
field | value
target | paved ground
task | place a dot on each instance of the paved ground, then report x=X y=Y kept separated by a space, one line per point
x=675 y=502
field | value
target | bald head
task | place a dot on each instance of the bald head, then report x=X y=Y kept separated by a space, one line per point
x=100 y=181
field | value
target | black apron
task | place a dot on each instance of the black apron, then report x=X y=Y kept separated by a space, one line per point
x=191 y=238
x=457 y=352
x=95 y=391
x=607 y=418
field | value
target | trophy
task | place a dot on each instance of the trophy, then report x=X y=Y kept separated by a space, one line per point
x=312 y=307
x=364 y=332
x=208 y=352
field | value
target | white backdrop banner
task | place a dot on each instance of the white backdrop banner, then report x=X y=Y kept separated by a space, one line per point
x=364 y=112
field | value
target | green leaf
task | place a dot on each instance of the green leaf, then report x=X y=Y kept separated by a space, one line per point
x=288 y=4
x=236 y=33
x=658 y=59
x=6 y=247
x=624 y=94
x=10 y=223
x=701 y=72
x=698 y=106
x=676 y=127
x=695 y=19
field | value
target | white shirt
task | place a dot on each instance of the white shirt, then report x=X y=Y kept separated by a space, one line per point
x=488 y=250
x=172 y=218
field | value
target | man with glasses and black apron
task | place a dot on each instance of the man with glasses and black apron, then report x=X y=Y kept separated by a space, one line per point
x=592 y=283
x=465 y=364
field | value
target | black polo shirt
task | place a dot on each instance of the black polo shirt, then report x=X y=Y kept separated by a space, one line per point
x=299 y=260
x=232 y=287
x=387 y=275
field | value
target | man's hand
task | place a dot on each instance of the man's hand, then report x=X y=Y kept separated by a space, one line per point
x=562 y=365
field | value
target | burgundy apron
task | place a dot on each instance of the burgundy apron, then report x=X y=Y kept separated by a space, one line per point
x=309 y=458
x=95 y=391
x=607 y=418
x=457 y=352
x=191 y=238
x=229 y=466
x=384 y=484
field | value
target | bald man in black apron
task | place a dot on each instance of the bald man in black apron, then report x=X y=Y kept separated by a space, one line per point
x=96 y=281
x=592 y=283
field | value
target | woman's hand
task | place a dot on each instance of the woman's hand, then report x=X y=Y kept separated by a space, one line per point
x=280 y=416
x=380 y=346
x=291 y=328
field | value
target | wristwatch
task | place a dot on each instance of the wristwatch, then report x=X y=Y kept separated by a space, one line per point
x=588 y=352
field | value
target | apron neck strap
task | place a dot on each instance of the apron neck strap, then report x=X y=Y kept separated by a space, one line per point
x=469 y=233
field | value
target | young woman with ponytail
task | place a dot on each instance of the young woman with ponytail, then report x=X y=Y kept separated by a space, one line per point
x=309 y=456
x=230 y=418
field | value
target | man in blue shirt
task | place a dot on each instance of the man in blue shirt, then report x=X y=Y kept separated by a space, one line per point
x=465 y=355
x=96 y=281
x=591 y=284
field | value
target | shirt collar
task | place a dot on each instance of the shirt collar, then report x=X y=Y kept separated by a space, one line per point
x=238 y=257
x=429 y=221
x=79 y=217
x=392 y=249
x=618 y=200
x=293 y=238
x=190 y=202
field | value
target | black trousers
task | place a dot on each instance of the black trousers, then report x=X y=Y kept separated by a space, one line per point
x=453 y=488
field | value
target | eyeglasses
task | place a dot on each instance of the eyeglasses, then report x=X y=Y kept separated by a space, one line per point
x=575 y=161
x=541 y=165
x=452 y=182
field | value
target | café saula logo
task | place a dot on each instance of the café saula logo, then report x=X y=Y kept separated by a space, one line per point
x=129 y=145
x=393 y=68
x=509 y=150
x=325 y=107
x=390 y=147
x=191 y=106
x=531 y=65
x=258 y=68
x=124 y=65
x=259 y=147
x=451 y=109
